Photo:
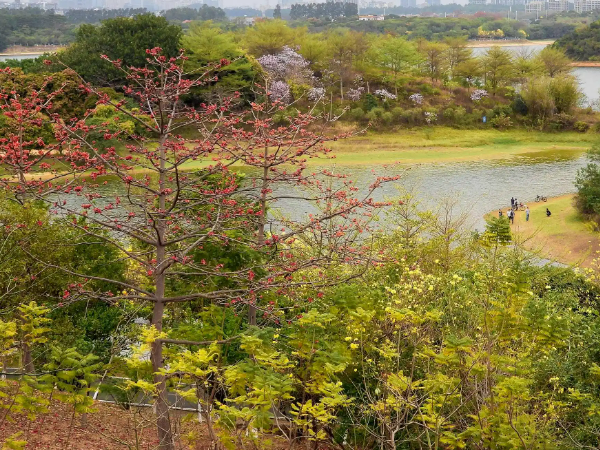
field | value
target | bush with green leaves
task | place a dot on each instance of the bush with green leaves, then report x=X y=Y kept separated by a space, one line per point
x=581 y=126
x=502 y=122
x=587 y=183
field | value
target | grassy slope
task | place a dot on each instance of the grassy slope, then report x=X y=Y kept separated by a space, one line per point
x=441 y=144
x=565 y=236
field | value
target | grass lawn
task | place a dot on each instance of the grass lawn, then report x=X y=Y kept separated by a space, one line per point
x=442 y=144
x=565 y=236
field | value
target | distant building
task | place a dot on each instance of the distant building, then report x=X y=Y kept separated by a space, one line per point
x=586 y=5
x=535 y=6
x=434 y=2
x=408 y=3
x=44 y=5
x=557 y=5
x=371 y=17
x=477 y=2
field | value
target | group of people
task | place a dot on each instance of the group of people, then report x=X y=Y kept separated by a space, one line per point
x=514 y=207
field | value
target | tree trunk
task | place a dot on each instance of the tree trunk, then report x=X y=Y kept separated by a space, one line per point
x=27 y=359
x=161 y=405
x=262 y=222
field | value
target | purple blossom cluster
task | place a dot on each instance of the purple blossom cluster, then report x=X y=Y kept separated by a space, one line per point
x=417 y=99
x=316 y=93
x=279 y=91
x=286 y=64
x=478 y=94
x=430 y=117
x=355 y=94
x=384 y=94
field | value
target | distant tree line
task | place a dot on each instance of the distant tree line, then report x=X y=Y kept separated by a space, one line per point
x=323 y=10
x=78 y=16
x=430 y=28
x=33 y=26
x=203 y=12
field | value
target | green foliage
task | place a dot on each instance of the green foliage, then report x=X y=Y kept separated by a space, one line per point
x=33 y=26
x=71 y=375
x=588 y=184
x=501 y=121
x=582 y=44
x=206 y=43
x=497 y=231
x=581 y=126
x=126 y=39
x=205 y=12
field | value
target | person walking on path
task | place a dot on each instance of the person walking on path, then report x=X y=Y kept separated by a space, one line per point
x=526 y=213
x=511 y=216
x=499 y=213
x=512 y=202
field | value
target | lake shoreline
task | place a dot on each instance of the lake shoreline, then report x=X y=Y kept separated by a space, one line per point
x=585 y=64
x=502 y=43
x=565 y=237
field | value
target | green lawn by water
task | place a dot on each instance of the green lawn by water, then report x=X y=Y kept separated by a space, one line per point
x=566 y=236
x=441 y=144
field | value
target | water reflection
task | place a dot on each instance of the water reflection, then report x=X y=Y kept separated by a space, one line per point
x=482 y=186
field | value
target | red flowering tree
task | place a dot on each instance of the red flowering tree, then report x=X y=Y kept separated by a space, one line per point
x=162 y=199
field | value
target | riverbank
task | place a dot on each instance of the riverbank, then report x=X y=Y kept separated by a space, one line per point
x=566 y=236
x=443 y=144
x=585 y=64
x=21 y=50
x=503 y=43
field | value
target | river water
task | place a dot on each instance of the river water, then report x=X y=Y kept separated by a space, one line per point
x=482 y=186
x=20 y=57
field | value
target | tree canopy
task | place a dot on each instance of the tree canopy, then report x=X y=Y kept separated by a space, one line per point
x=582 y=44
x=122 y=38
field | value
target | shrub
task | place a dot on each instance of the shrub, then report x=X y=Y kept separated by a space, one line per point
x=413 y=116
x=540 y=102
x=426 y=89
x=357 y=114
x=478 y=94
x=378 y=112
x=519 y=106
x=375 y=114
x=581 y=126
x=501 y=122
x=501 y=110
x=397 y=113
x=387 y=118
x=597 y=127
x=417 y=99
x=370 y=102
x=449 y=114
x=384 y=94
x=565 y=92
x=561 y=121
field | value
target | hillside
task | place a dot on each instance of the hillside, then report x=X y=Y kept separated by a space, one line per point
x=582 y=44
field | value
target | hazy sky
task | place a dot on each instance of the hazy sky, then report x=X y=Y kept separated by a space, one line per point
x=272 y=3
